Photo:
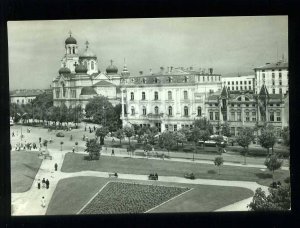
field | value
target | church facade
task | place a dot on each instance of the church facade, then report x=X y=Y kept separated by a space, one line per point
x=79 y=79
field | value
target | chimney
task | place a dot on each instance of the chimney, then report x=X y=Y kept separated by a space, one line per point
x=141 y=72
x=211 y=70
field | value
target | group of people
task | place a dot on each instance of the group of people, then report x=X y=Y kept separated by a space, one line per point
x=91 y=130
x=45 y=184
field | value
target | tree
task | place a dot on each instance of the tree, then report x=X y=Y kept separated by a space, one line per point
x=129 y=132
x=45 y=143
x=225 y=129
x=204 y=136
x=186 y=132
x=120 y=135
x=195 y=137
x=244 y=139
x=286 y=136
x=267 y=139
x=278 y=199
x=131 y=149
x=218 y=162
x=204 y=124
x=93 y=148
x=101 y=132
x=179 y=137
x=219 y=143
x=61 y=143
x=167 y=141
x=273 y=163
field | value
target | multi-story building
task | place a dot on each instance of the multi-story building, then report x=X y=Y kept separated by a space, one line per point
x=170 y=99
x=246 y=109
x=274 y=76
x=80 y=78
x=24 y=96
x=239 y=83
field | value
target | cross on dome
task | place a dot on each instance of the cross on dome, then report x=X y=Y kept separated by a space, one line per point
x=111 y=62
x=70 y=32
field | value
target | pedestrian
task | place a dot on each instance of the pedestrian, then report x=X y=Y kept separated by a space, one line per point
x=94 y=128
x=85 y=128
x=71 y=137
x=112 y=152
x=13 y=134
x=55 y=166
x=43 y=202
x=43 y=183
x=47 y=184
x=113 y=140
x=38 y=184
x=90 y=130
x=40 y=139
x=73 y=149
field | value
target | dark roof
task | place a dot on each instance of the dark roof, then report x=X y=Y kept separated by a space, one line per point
x=81 y=69
x=26 y=93
x=70 y=40
x=104 y=83
x=278 y=65
x=88 y=91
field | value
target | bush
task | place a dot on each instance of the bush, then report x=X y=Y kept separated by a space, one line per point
x=60 y=134
x=211 y=171
x=283 y=153
x=287 y=180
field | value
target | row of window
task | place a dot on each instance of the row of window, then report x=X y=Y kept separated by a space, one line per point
x=241 y=88
x=185 y=79
x=238 y=117
x=241 y=82
x=170 y=111
x=236 y=131
x=29 y=100
x=92 y=64
x=273 y=75
x=185 y=95
x=209 y=78
x=71 y=50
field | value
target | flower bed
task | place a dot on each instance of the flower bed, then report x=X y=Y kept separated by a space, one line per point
x=118 y=198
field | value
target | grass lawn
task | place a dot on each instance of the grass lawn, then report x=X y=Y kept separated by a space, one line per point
x=73 y=193
x=24 y=166
x=76 y=163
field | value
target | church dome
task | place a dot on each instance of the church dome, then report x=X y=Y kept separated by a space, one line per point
x=64 y=70
x=111 y=69
x=81 y=69
x=88 y=91
x=88 y=53
x=70 y=40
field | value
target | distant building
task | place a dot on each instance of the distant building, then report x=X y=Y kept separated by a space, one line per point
x=246 y=109
x=24 y=96
x=170 y=99
x=274 y=76
x=239 y=83
x=79 y=79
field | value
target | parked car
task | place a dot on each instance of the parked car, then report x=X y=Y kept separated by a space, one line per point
x=189 y=176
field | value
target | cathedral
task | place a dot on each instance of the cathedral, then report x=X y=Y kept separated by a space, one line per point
x=79 y=79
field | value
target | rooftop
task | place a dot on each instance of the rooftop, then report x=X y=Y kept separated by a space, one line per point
x=26 y=93
x=278 y=65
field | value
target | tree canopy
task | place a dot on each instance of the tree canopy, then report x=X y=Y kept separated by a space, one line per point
x=93 y=148
x=244 y=139
x=167 y=140
x=204 y=124
x=273 y=163
x=267 y=139
x=286 y=136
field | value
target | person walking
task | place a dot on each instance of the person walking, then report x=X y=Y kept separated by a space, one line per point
x=40 y=140
x=43 y=201
x=47 y=184
x=43 y=183
x=38 y=184
x=55 y=166
x=73 y=149
x=112 y=152
x=94 y=128
x=85 y=128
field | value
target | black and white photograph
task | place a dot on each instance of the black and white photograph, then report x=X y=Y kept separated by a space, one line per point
x=149 y=115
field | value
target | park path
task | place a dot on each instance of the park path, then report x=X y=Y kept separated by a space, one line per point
x=29 y=202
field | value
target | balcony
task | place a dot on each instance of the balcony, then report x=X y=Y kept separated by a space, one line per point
x=152 y=116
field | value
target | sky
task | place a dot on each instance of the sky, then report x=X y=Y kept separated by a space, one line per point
x=230 y=45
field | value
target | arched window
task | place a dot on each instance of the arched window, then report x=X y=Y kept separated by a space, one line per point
x=143 y=96
x=169 y=95
x=132 y=96
x=144 y=110
x=199 y=111
x=156 y=110
x=170 y=111
x=155 y=95
x=186 y=79
x=73 y=50
x=132 y=110
x=92 y=65
x=186 y=111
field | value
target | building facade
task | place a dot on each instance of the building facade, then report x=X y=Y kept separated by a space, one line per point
x=246 y=109
x=170 y=99
x=274 y=76
x=239 y=83
x=24 y=96
x=79 y=79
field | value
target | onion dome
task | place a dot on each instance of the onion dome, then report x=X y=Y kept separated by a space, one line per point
x=111 y=69
x=70 y=39
x=88 y=91
x=64 y=70
x=87 y=52
x=81 y=69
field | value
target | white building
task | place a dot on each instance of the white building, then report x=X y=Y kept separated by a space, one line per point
x=239 y=83
x=274 y=76
x=24 y=96
x=169 y=99
x=80 y=78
